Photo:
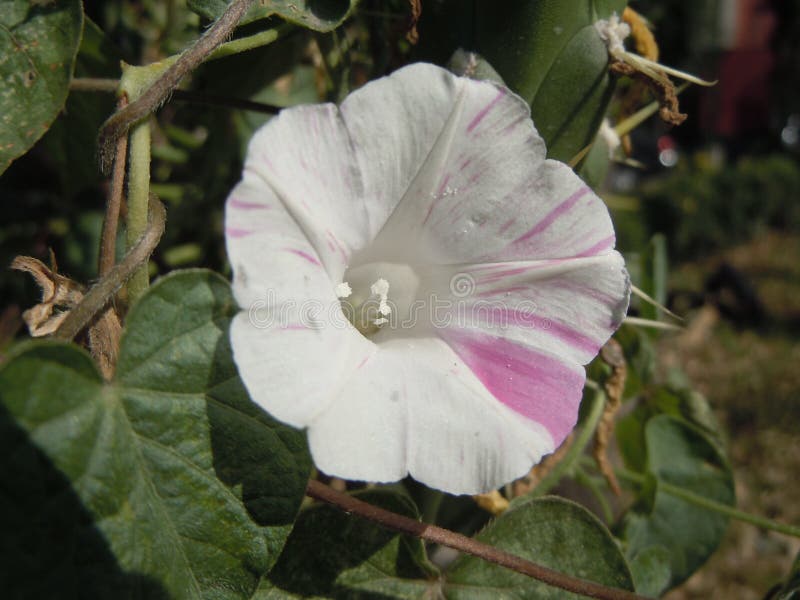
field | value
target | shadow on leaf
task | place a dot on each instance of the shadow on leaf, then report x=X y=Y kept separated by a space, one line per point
x=50 y=546
x=252 y=450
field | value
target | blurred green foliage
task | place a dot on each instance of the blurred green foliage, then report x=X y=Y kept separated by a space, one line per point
x=700 y=209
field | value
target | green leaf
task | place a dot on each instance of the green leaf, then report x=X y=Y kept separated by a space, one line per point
x=334 y=554
x=38 y=44
x=572 y=99
x=651 y=571
x=682 y=534
x=319 y=15
x=550 y=531
x=71 y=141
x=176 y=479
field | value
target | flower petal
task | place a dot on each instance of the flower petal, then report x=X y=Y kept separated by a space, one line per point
x=302 y=160
x=291 y=320
x=543 y=387
x=416 y=408
x=565 y=307
x=294 y=372
x=470 y=168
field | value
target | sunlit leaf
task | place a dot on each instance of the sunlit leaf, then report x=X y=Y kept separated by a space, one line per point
x=551 y=531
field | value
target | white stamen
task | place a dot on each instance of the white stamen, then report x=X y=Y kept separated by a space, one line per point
x=381 y=289
x=343 y=290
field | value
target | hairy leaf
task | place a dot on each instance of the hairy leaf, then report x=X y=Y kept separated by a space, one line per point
x=167 y=480
x=551 y=531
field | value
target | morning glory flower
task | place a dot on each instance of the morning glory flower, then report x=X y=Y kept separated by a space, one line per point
x=420 y=288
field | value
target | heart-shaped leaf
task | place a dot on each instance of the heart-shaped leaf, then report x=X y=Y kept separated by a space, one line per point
x=551 y=531
x=38 y=44
x=168 y=480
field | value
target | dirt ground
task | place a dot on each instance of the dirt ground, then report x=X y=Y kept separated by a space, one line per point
x=749 y=369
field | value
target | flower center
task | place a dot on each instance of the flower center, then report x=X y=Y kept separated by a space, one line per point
x=378 y=296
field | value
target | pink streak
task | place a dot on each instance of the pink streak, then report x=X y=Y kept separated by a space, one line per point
x=485 y=110
x=304 y=255
x=505 y=317
x=604 y=244
x=583 y=289
x=235 y=232
x=534 y=384
x=553 y=215
x=243 y=205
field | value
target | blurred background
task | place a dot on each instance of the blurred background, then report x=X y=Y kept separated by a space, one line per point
x=724 y=191
x=714 y=204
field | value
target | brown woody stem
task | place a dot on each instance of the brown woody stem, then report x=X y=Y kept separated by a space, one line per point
x=432 y=533
x=101 y=293
x=108 y=237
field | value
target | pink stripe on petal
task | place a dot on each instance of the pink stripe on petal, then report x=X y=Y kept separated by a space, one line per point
x=534 y=384
x=304 y=255
x=243 y=205
x=553 y=215
x=235 y=232
x=583 y=289
x=569 y=336
x=599 y=247
x=485 y=111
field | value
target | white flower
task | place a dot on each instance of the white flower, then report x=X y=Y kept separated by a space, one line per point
x=419 y=183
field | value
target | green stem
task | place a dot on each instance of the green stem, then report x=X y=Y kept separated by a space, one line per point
x=243 y=44
x=713 y=505
x=138 y=195
x=567 y=464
